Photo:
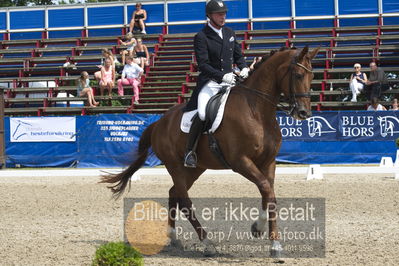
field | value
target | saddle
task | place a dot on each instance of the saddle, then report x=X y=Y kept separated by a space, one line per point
x=211 y=112
x=212 y=108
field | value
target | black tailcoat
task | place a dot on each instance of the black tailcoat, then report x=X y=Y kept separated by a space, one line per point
x=215 y=57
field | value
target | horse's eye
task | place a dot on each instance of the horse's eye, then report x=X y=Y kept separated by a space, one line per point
x=299 y=76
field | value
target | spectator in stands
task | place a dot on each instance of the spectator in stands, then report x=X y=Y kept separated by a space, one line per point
x=378 y=81
x=256 y=60
x=375 y=105
x=84 y=89
x=357 y=82
x=216 y=50
x=130 y=76
x=107 y=77
x=141 y=51
x=138 y=18
x=394 y=106
x=107 y=54
x=130 y=43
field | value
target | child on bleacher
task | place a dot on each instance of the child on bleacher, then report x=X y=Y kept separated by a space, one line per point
x=130 y=43
x=107 y=78
x=84 y=89
x=107 y=54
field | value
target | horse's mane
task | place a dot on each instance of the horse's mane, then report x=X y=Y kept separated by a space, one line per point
x=257 y=65
x=267 y=56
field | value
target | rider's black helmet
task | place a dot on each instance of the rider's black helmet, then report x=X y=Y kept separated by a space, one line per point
x=215 y=6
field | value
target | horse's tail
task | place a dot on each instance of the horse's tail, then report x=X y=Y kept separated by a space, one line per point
x=123 y=178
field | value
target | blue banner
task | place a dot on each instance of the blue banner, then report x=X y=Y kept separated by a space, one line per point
x=112 y=140
x=341 y=126
x=345 y=137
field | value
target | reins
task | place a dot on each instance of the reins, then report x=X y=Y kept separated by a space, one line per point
x=292 y=97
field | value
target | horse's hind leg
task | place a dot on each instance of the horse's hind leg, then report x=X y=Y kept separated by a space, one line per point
x=264 y=180
x=173 y=197
x=183 y=179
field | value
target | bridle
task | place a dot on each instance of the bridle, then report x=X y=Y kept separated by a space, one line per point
x=292 y=97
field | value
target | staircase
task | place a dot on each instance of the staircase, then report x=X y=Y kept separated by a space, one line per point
x=164 y=78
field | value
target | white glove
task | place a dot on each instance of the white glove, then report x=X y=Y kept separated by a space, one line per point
x=244 y=72
x=229 y=78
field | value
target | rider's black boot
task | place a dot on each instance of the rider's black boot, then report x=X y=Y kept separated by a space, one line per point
x=190 y=157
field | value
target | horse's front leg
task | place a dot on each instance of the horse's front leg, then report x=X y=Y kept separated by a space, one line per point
x=269 y=210
x=264 y=180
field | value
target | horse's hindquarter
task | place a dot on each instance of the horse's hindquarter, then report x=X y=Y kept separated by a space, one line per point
x=167 y=140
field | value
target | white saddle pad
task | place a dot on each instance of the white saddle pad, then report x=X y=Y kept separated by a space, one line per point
x=187 y=116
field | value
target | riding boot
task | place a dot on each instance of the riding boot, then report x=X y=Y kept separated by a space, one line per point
x=190 y=157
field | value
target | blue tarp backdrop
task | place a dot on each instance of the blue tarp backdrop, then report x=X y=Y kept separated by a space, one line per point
x=111 y=140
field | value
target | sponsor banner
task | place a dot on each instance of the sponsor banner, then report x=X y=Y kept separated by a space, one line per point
x=112 y=140
x=42 y=129
x=341 y=126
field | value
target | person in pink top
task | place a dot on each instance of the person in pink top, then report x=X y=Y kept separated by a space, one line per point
x=107 y=77
x=130 y=76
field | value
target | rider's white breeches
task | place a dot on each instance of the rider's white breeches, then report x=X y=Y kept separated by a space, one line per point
x=210 y=89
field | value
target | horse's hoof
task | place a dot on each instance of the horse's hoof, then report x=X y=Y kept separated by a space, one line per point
x=174 y=243
x=209 y=250
x=276 y=250
x=254 y=230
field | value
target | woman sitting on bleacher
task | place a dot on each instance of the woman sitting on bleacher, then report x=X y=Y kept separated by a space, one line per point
x=130 y=76
x=357 y=82
x=107 y=78
x=107 y=54
x=84 y=89
x=142 y=54
x=138 y=18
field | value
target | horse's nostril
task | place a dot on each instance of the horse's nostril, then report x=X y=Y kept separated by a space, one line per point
x=303 y=113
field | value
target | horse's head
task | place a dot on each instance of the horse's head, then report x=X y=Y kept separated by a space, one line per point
x=295 y=77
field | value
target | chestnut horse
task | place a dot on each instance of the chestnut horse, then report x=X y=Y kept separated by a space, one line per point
x=249 y=137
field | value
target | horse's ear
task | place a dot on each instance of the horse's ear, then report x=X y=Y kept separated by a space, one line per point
x=303 y=53
x=314 y=53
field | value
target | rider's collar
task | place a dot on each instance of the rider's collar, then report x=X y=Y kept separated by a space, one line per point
x=218 y=31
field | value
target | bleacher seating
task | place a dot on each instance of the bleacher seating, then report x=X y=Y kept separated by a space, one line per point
x=172 y=73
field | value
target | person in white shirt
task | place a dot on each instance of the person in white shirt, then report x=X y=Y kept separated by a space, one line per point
x=130 y=76
x=375 y=105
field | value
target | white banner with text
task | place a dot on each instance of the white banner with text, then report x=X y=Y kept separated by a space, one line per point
x=42 y=129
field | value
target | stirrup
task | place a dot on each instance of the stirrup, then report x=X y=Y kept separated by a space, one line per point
x=190 y=159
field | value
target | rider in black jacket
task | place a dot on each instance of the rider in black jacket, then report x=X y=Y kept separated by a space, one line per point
x=216 y=50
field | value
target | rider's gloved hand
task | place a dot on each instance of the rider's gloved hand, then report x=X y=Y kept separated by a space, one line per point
x=229 y=78
x=244 y=72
